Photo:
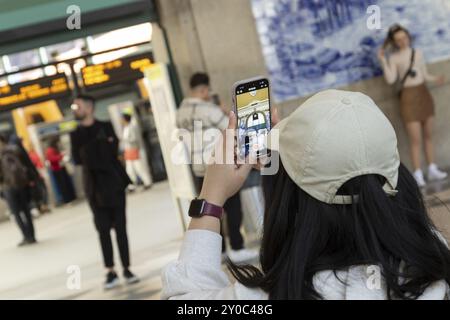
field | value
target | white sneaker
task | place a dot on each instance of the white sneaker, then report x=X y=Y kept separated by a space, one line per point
x=435 y=174
x=418 y=175
x=131 y=188
x=35 y=213
x=243 y=255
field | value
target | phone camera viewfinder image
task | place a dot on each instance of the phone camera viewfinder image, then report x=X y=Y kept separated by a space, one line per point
x=253 y=113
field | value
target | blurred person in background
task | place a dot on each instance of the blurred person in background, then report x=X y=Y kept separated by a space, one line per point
x=63 y=181
x=16 y=141
x=94 y=146
x=406 y=65
x=16 y=179
x=133 y=162
x=39 y=194
x=198 y=107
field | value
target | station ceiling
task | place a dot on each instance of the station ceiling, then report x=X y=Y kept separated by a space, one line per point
x=28 y=24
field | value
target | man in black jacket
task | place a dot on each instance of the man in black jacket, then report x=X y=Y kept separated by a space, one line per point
x=95 y=148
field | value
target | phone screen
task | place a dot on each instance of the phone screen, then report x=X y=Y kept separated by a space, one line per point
x=253 y=113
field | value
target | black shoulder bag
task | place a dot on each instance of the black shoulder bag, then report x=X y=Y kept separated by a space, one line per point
x=410 y=72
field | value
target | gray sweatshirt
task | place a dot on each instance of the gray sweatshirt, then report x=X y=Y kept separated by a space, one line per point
x=210 y=119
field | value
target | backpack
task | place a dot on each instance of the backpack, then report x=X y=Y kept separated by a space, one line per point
x=15 y=173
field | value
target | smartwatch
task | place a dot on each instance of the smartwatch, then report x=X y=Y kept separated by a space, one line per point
x=200 y=208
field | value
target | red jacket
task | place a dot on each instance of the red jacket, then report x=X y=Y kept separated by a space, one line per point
x=54 y=157
x=34 y=157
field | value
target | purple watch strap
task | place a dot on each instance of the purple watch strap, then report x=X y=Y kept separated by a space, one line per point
x=210 y=209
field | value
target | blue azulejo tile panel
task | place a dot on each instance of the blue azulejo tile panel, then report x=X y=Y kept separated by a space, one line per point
x=311 y=45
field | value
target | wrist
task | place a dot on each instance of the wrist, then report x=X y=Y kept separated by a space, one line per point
x=200 y=208
x=212 y=197
x=205 y=223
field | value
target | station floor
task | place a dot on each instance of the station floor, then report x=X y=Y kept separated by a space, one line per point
x=67 y=238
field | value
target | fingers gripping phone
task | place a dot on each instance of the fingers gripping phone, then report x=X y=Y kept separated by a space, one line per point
x=251 y=100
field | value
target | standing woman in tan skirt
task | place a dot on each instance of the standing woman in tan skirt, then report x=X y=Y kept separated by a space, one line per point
x=407 y=66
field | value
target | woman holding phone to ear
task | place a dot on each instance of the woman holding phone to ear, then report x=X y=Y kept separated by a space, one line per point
x=407 y=66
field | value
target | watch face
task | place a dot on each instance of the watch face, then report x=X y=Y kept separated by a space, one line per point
x=195 y=210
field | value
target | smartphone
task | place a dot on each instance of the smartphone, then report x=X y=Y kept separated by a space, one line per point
x=251 y=100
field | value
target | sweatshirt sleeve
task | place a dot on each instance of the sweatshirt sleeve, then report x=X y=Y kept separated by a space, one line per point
x=54 y=155
x=112 y=137
x=133 y=134
x=218 y=118
x=390 y=70
x=198 y=274
x=423 y=66
x=75 y=148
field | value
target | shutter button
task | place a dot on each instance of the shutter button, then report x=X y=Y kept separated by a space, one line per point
x=346 y=101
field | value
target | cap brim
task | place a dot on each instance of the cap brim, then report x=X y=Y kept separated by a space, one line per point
x=273 y=142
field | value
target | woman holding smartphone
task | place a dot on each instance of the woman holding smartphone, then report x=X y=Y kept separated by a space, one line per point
x=407 y=66
x=332 y=216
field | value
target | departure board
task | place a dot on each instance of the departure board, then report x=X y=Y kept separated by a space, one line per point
x=30 y=92
x=117 y=71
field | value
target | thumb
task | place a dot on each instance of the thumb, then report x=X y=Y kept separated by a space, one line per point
x=244 y=170
x=275 y=117
x=232 y=121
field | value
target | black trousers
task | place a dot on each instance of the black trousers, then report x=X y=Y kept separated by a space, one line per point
x=39 y=194
x=107 y=218
x=233 y=210
x=18 y=200
x=65 y=185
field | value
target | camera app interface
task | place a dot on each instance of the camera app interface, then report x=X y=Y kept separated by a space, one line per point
x=253 y=112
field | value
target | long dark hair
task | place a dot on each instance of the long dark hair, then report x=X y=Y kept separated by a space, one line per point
x=302 y=236
x=389 y=42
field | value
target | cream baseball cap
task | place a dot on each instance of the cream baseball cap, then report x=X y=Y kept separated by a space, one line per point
x=333 y=137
